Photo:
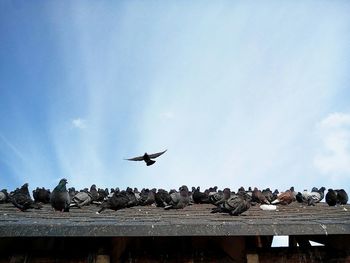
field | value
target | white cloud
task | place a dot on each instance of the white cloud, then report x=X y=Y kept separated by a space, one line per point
x=334 y=155
x=337 y=119
x=79 y=123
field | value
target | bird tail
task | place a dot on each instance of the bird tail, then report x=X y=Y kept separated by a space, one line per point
x=150 y=162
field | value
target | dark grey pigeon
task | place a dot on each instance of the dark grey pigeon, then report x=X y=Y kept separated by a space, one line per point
x=342 y=197
x=60 y=198
x=331 y=197
x=162 y=198
x=200 y=197
x=147 y=158
x=21 y=199
x=94 y=193
x=116 y=202
x=41 y=195
x=179 y=200
x=147 y=196
x=235 y=205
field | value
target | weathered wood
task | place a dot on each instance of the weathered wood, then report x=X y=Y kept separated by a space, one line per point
x=118 y=245
x=252 y=258
x=297 y=255
x=195 y=220
x=102 y=259
x=235 y=247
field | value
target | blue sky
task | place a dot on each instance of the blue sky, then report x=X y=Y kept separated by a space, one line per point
x=245 y=93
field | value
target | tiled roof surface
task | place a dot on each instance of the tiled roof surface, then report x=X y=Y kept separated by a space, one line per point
x=195 y=220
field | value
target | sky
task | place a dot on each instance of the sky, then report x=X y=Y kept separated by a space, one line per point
x=240 y=93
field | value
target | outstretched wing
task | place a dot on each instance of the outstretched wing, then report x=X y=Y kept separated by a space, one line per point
x=155 y=155
x=139 y=158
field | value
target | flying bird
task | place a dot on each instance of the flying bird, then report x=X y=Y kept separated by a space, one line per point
x=147 y=158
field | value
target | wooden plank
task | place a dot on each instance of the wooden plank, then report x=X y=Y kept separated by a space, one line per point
x=195 y=220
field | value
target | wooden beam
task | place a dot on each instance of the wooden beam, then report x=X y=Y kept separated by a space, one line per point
x=252 y=258
x=235 y=247
x=118 y=245
x=102 y=259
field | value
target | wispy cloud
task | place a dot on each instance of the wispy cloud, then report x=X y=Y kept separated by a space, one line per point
x=12 y=147
x=334 y=155
x=79 y=123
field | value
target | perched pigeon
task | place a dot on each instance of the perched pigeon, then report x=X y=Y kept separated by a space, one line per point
x=235 y=205
x=199 y=197
x=81 y=199
x=162 y=198
x=147 y=197
x=147 y=158
x=41 y=195
x=132 y=197
x=21 y=199
x=268 y=194
x=94 y=193
x=274 y=195
x=179 y=200
x=4 y=196
x=331 y=197
x=60 y=198
x=118 y=201
x=336 y=197
x=342 y=197
x=72 y=192
x=284 y=198
x=103 y=194
x=315 y=196
x=226 y=194
x=259 y=197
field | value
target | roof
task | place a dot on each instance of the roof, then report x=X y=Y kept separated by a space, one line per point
x=195 y=220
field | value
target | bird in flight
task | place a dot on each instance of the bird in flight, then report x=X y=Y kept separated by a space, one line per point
x=147 y=158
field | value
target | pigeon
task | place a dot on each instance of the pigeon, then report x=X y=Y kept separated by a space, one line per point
x=21 y=199
x=147 y=158
x=132 y=197
x=226 y=194
x=72 y=192
x=284 y=198
x=259 y=197
x=336 y=197
x=179 y=200
x=94 y=193
x=199 y=197
x=274 y=195
x=342 y=197
x=118 y=201
x=147 y=197
x=41 y=195
x=103 y=194
x=4 y=196
x=235 y=205
x=81 y=199
x=268 y=194
x=315 y=196
x=331 y=197
x=60 y=198
x=162 y=198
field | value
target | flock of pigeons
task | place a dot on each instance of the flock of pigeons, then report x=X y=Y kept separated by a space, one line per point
x=225 y=201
